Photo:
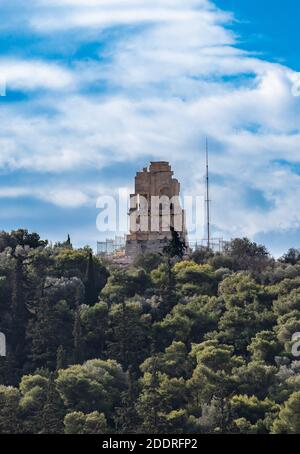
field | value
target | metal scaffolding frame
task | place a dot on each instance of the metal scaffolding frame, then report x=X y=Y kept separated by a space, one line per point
x=111 y=247
x=215 y=244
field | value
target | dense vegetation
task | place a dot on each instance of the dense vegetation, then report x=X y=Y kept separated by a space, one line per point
x=169 y=345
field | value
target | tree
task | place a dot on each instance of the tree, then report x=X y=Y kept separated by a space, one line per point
x=201 y=255
x=50 y=328
x=19 y=314
x=191 y=321
x=77 y=335
x=248 y=311
x=288 y=421
x=213 y=377
x=176 y=246
x=129 y=334
x=61 y=359
x=166 y=345
x=123 y=284
x=80 y=423
x=287 y=303
x=247 y=255
x=53 y=411
x=94 y=386
x=148 y=261
x=251 y=414
x=82 y=264
x=24 y=238
x=94 y=330
x=264 y=347
x=151 y=405
x=163 y=279
x=292 y=257
x=10 y=421
x=192 y=279
x=126 y=418
x=91 y=293
x=34 y=395
x=174 y=361
x=255 y=379
x=68 y=242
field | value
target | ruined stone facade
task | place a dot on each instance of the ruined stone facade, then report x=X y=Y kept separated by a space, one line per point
x=154 y=209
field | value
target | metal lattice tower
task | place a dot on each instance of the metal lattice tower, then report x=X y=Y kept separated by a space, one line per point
x=207 y=201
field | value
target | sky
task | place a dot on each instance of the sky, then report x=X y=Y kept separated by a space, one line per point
x=95 y=89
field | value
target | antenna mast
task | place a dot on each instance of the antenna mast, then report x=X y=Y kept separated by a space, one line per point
x=207 y=198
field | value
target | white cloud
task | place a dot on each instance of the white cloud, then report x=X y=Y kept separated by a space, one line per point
x=166 y=92
x=71 y=198
x=68 y=14
x=66 y=197
x=31 y=75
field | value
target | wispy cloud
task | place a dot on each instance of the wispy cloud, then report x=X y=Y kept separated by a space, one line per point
x=32 y=75
x=121 y=12
x=155 y=89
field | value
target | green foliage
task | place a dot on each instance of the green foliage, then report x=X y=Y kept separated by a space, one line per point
x=264 y=347
x=129 y=334
x=148 y=261
x=192 y=279
x=125 y=284
x=176 y=246
x=247 y=255
x=251 y=415
x=95 y=385
x=94 y=326
x=288 y=421
x=79 y=423
x=34 y=394
x=10 y=422
x=82 y=264
x=167 y=345
x=53 y=410
x=292 y=257
x=51 y=327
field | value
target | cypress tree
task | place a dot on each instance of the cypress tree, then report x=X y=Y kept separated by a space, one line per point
x=127 y=419
x=53 y=412
x=19 y=314
x=61 y=358
x=77 y=336
x=91 y=294
x=151 y=404
x=68 y=242
x=176 y=246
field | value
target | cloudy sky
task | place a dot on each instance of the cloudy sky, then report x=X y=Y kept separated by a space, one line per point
x=95 y=89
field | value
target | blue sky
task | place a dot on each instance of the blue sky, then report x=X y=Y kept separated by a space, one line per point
x=98 y=88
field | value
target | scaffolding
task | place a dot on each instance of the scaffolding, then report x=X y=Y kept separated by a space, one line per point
x=215 y=244
x=112 y=247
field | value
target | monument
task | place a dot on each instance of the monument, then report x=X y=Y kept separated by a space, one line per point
x=155 y=210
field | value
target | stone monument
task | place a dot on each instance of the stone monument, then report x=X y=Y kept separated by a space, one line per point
x=154 y=210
